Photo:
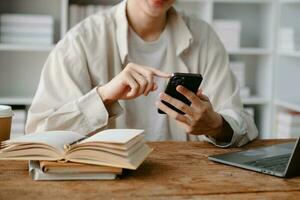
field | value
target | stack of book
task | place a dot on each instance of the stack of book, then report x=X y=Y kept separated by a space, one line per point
x=26 y=29
x=80 y=12
x=18 y=123
x=288 y=124
x=239 y=70
x=66 y=155
x=229 y=32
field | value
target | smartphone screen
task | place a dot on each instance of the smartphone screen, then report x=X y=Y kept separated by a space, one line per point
x=188 y=80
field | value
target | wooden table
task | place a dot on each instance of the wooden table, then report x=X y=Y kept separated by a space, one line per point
x=177 y=170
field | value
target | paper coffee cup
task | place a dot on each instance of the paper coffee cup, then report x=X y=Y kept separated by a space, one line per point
x=6 y=114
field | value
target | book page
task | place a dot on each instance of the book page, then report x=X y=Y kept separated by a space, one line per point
x=120 y=136
x=110 y=159
x=56 y=139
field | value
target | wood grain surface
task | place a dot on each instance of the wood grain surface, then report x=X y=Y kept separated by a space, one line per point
x=175 y=170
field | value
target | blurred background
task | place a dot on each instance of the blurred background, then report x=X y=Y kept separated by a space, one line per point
x=262 y=38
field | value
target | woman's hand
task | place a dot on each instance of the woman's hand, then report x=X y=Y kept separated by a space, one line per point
x=133 y=81
x=199 y=117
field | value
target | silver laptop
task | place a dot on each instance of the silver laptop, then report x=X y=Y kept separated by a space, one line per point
x=282 y=160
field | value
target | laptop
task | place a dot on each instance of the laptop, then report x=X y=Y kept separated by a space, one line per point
x=282 y=160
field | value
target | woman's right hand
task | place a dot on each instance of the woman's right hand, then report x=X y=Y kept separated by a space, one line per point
x=133 y=81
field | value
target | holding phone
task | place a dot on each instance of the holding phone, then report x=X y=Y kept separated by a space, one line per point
x=187 y=80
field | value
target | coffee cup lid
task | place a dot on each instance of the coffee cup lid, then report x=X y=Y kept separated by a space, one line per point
x=5 y=111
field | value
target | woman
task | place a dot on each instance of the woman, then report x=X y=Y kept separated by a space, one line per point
x=110 y=70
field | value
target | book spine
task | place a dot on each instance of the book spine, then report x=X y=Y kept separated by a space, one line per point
x=74 y=15
x=89 y=10
x=288 y=124
x=229 y=32
x=26 y=29
x=8 y=39
x=18 y=124
x=289 y=131
x=26 y=19
x=82 y=13
x=25 y=35
x=19 y=116
x=14 y=29
x=77 y=13
x=239 y=70
x=288 y=119
x=100 y=8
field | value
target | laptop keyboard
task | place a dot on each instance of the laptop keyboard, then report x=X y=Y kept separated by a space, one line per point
x=274 y=163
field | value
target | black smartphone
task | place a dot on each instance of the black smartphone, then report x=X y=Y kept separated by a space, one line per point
x=189 y=81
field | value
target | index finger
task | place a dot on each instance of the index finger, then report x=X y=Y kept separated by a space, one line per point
x=160 y=73
x=145 y=69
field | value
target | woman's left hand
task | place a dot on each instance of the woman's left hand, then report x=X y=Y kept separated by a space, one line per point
x=199 y=117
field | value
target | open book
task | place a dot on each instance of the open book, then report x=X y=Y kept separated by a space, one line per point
x=123 y=148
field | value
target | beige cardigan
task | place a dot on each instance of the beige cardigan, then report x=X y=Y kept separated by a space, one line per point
x=93 y=52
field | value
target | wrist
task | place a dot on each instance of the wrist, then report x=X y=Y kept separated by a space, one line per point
x=223 y=133
x=218 y=127
x=103 y=96
x=100 y=92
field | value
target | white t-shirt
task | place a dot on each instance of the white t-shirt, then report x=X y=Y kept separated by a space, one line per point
x=152 y=54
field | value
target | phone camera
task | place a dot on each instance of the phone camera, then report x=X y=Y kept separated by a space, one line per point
x=178 y=81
